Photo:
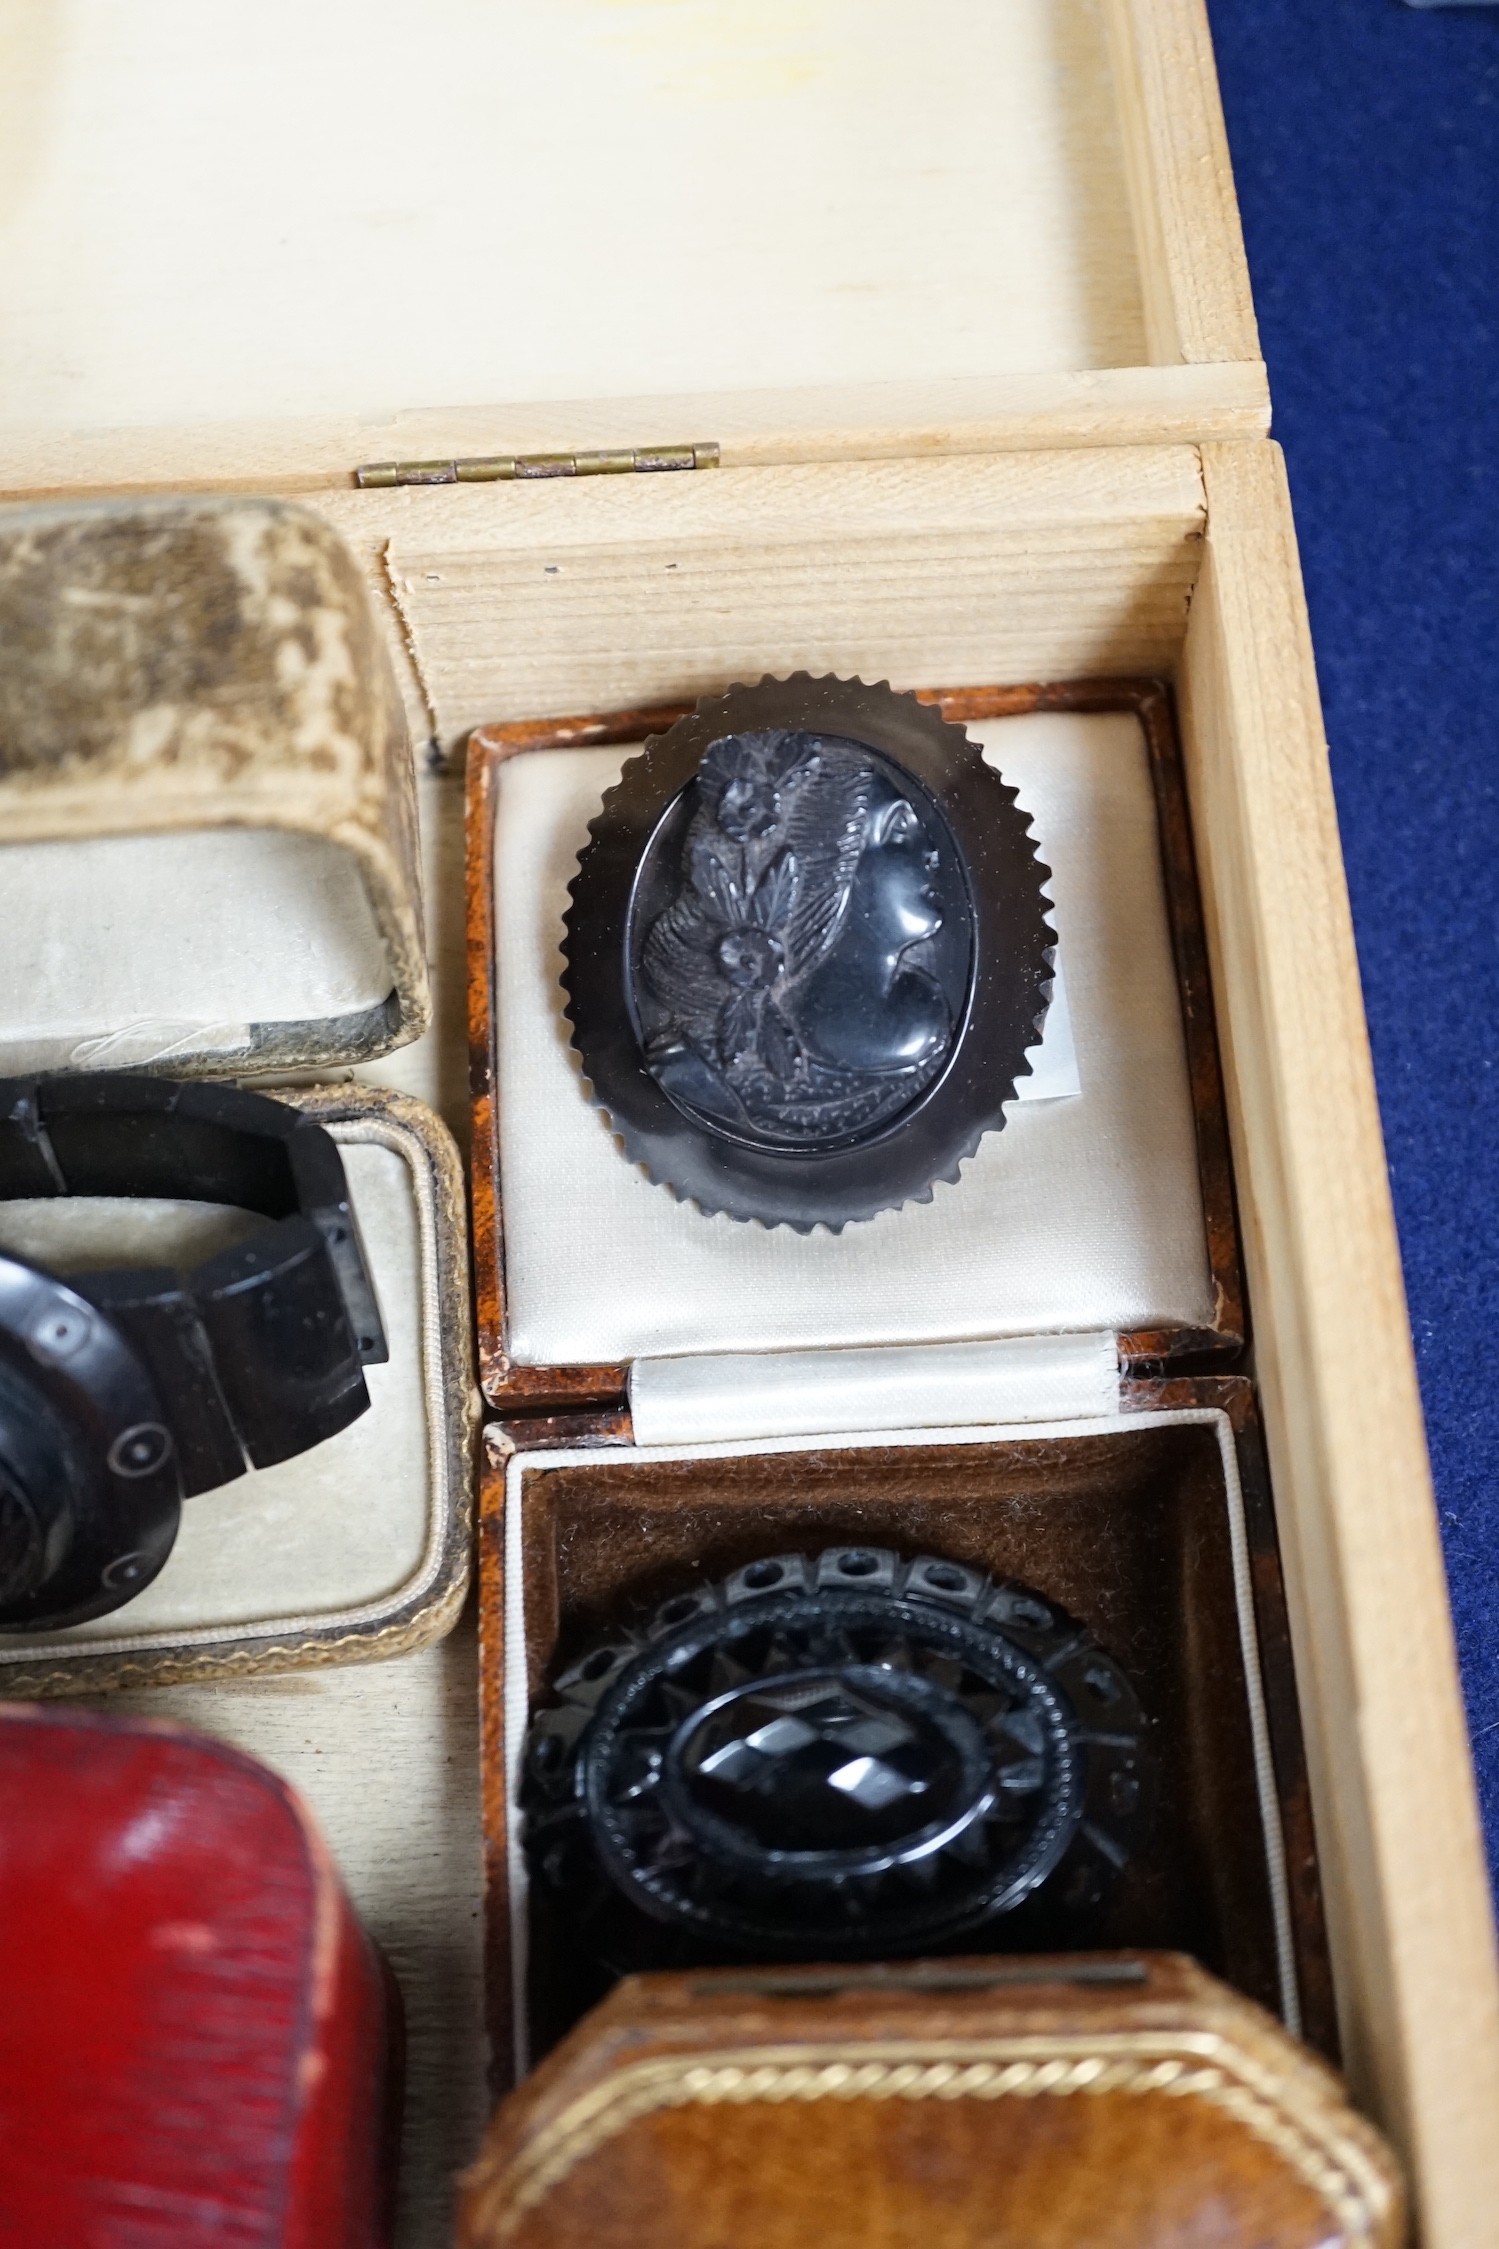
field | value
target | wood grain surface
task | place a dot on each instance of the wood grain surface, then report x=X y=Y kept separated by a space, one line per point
x=1403 y=1872
x=310 y=457
x=636 y=589
x=1044 y=252
x=1193 y=276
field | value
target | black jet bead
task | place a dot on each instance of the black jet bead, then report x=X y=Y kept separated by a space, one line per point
x=850 y=1754
x=807 y=952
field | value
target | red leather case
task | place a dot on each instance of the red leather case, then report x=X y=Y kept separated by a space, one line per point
x=198 y=2042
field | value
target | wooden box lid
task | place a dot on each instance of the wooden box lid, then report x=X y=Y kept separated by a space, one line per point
x=246 y=249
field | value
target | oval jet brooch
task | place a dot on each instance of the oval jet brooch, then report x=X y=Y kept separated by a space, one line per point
x=807 y=951
x=837 y=1755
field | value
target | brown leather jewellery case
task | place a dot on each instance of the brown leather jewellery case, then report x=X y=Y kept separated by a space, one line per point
x=1107 y=2101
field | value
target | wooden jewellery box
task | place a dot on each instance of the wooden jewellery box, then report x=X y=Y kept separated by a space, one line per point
x=907 y=344
x=207 y=857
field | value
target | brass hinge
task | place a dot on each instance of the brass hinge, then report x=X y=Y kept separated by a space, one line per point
x=505 y=468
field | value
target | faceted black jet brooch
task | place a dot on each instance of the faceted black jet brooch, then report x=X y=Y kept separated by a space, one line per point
x=846 y=1755
x=807 y=952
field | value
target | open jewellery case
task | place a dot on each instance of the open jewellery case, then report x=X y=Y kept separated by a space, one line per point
x=989 y=1374
x=208 y=864
x=955 y=300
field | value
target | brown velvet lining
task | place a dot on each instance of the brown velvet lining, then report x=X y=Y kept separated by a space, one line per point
x=1127 y=1528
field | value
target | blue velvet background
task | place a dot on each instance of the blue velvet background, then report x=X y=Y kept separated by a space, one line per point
x=1365 y=142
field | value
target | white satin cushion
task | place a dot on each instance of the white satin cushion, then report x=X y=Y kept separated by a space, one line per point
x=341 y=1531
x=125 y=951
x=1083 y=1214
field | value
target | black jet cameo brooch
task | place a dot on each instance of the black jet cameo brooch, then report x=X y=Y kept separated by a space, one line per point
x=835 y=1755
x=807 y=952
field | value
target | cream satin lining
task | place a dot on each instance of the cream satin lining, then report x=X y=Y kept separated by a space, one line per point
x=1083 y=1214
x=921 y=1386
x=341 y=1532
x=121 y=951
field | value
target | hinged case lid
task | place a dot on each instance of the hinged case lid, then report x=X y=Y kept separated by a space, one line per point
x=1104 y=2098
x=246 y=249
x=207 y=814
